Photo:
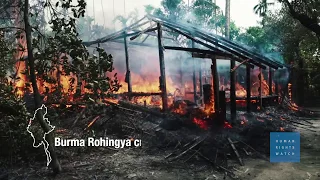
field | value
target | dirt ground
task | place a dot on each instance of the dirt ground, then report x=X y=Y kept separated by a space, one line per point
x=307 y=169
x=138 y=163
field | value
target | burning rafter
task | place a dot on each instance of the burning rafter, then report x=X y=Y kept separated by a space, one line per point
x=219 y=43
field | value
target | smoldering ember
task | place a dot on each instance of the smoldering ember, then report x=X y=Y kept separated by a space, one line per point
x=180 y=93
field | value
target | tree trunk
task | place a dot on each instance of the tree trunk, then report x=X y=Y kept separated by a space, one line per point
x=55 y=165
x=227 y=30
x=300 y=80
x=308 y=22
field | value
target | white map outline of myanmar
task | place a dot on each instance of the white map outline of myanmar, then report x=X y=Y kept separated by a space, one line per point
x=44 y=142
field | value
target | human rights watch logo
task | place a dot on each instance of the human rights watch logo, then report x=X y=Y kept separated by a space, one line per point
x=284 y=147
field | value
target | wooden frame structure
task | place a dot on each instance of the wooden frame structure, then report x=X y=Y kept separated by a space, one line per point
x=203 y=45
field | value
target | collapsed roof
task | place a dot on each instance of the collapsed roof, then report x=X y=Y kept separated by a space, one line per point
x=211 y=44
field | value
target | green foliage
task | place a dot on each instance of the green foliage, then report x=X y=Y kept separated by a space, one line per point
x=58 y=50
x=130 y=19
x=204 y=10
x=99 y=84
x=172 y=9
x=305 y=11
x=89 y=31
x=64 y=54
x=298 y=46
x=203 y=13
x=15 y=142
x=262 y=7
x=256 y=37
x=149 y=9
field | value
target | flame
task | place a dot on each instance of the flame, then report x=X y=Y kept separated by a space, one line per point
x=201 y=123
x=92 y=122
x=290 y=91
x=112 y=100
x=227 y=125
x=209 y=108
x=240 y=91
x=182 y=108
x=294 y=106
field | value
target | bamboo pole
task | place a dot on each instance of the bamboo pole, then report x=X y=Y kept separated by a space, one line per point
x=215 y=79
x=270 y=81
x=163 y=85
x=233 y=91
x=128 y=74
x=248 y=82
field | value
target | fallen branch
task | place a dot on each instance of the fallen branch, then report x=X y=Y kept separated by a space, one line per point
x=82 y=165
x=205 y=158
x=305 y=120
x=187 y=150
x=245 y=151
x=91 y=123
x=215 y=159
x=197 y=151
x=304 y=128
x=236 y=152
x=183 y=147
x=105 y=122
x=262 y=156
x=78 y=117
x=233 y=176
x=140 y=108
x=300 y=123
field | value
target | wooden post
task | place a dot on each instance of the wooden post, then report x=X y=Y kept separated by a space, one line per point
x=260 y=88
x=181 y=77
x=233 y=107
x=276 y=87
x=215 y=83
x=194 y=77
x=270 y=81
x=248 y=82
x=163 y=85
x=128 y=74
x=200 y=82
x=194 y=82
x=183 y=86
x=100 y=68
x=207 y=93
x=222 y=105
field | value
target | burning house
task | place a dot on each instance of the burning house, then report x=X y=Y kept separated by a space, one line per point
x=190 y=66
x=180 y=68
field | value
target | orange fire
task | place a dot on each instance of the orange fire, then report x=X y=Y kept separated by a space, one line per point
x=181 y=109
x=240 y=91
x=290 y=91
x=201 y=123
x=293 y=106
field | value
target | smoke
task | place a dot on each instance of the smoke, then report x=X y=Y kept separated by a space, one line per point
x=179 y=66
